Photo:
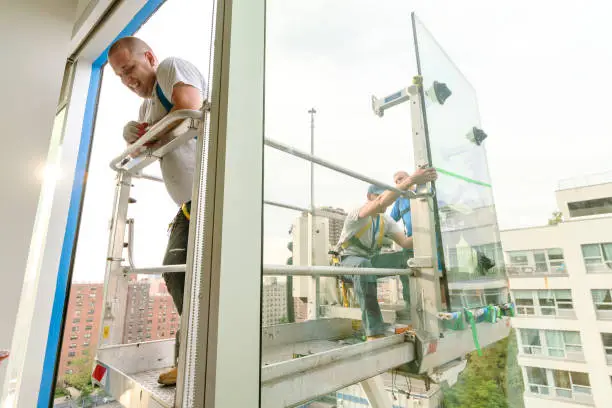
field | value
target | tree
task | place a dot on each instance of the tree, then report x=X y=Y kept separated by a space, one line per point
x=557 y=218
x=492 y=380
x=81 y=375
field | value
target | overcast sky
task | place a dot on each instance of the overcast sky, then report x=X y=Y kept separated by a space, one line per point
x=540 y=71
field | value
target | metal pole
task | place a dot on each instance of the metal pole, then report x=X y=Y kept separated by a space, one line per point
x=303 y=155
x=305 y=210
x=297 y=270
x=314 y=282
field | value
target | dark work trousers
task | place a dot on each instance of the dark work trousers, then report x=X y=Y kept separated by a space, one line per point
x=176 y=254
x=366 y=289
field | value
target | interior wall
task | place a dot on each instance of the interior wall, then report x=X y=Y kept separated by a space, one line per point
x=35 y=39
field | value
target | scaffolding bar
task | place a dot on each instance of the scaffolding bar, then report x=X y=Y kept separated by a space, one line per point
x=154 y=270
x=298 y=270
x=302 y=155
x=284 y=270
x=322 y=213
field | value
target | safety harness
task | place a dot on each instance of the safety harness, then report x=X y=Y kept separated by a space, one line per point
x=378 y=226
x=162 y=98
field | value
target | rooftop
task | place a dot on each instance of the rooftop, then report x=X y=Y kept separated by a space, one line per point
x=585 y=180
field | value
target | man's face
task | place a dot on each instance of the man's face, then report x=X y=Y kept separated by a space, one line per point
x=137 y=71
x=399 y=177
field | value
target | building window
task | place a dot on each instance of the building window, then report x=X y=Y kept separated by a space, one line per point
x=68 y=371
x=74 y=337
x=91 y=311
x=590 y=207
x=597 y=257
x=524 y=302
x=75 y=328
x=71 y=354
x=559 y=383
x=537 y=380
x=88 y=328
x=544 y=303
x=76 y=321
x=602 y=300
x=606 y=339
x=565 y=344
x=72 y=345
x=541 y=261
x=77 y=313
x=87 y=335
x=530 y=340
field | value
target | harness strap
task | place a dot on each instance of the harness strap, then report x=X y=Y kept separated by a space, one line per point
x=162 y=98
x=376 y=242
x=185 y=211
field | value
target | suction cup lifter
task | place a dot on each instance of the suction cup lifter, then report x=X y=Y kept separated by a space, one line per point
x=438 y=93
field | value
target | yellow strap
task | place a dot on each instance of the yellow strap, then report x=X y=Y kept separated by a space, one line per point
x=381 y=231
x=185 y=211
x=358 y=235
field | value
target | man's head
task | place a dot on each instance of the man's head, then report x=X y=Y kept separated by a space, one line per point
x=134 y=62
x=374 y=191
x=399 y=176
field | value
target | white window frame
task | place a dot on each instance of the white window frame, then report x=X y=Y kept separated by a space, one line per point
x=602 y=265
x=529 y=266
x=568 y=312
x=607 y=349
x=579 y=393
x=544 y=349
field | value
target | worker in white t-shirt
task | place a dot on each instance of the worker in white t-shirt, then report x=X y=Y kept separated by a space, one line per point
x=361 y=240
x=165 y=86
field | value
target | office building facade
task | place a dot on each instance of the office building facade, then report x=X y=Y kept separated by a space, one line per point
x=560 y=278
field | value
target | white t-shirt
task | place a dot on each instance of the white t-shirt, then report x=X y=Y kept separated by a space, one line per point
x=177 y=166
x=353 y=224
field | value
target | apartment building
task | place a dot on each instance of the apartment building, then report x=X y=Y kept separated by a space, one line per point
x=274 y=304
x=560 y=278
x=82 y=325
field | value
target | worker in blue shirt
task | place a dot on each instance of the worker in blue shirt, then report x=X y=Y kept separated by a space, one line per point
x=401 y=210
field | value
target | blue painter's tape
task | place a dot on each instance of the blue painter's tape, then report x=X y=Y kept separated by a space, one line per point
x=45 y=397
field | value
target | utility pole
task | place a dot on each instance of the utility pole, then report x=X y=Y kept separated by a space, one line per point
x=313 y=312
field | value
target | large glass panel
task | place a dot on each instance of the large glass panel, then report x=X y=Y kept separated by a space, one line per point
x=466 y=210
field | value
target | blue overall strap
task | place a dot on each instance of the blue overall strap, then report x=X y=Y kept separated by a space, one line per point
x=162 y=98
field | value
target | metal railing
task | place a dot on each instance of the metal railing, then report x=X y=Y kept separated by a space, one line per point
x=284 y=270
x=159 y=129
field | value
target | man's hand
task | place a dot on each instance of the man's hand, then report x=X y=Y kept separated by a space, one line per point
x=133 y=130
x=420 y=176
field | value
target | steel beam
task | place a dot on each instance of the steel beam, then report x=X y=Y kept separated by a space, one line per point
x=300 y=380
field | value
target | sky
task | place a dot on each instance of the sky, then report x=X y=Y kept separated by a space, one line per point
x=539 y=70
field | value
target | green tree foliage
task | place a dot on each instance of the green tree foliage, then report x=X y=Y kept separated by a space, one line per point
x=81 y=375
x=492 y=380
x=557 y=217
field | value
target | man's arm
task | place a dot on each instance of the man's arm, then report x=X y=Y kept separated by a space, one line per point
x=402 y=240
x=185 y=96
x=380 y=204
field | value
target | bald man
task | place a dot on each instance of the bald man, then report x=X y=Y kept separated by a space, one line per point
x=165 y=86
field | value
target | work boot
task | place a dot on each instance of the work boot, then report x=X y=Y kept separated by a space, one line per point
x=168 y=378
